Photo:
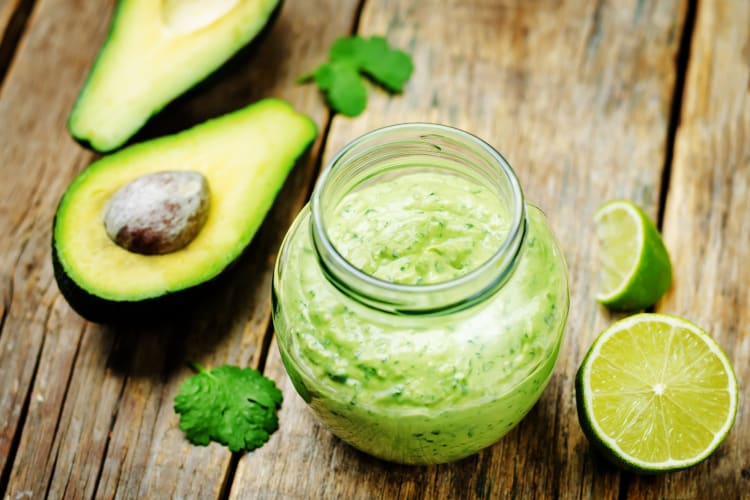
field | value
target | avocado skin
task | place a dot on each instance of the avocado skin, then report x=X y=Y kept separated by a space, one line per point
x=103 y=311
x=99 y=310
x=252 y=44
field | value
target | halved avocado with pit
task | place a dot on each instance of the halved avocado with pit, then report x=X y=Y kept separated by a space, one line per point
x=155 y=51
x=244 y=156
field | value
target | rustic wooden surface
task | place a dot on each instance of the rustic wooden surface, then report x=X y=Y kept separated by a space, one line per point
x=585 y=98
x=707 y=229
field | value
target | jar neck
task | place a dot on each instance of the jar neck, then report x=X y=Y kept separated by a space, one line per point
x=389 y=152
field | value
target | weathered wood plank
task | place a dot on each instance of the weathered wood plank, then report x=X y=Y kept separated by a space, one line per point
x=233 y=326
x=13 y=16
x=577 y=95
x=131 y=446
x=707 y=230
x=37 y=158
x=7 y=8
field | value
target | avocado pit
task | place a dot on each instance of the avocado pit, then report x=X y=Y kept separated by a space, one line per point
x=158 y=213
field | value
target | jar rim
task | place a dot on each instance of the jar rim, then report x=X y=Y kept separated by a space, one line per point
x=403 y=298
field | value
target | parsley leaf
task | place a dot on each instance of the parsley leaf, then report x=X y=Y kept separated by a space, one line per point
x=351 y=56
x=233 y=406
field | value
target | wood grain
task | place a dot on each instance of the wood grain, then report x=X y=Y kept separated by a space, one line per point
x=148 y=456
x=577 y=95
x=13 y=16
x=707 y=230
x=37 y=159
x=110 y=428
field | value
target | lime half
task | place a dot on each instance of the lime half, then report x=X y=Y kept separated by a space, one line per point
x=635 y=267
x=656 y=393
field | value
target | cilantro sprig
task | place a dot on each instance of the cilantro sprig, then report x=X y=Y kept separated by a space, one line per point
x=340 y=79
x=233 y=406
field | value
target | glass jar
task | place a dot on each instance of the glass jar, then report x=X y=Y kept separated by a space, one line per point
x=419 y=302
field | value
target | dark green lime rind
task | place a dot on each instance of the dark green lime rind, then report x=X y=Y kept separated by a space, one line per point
x=181 y=88
x=654 y=276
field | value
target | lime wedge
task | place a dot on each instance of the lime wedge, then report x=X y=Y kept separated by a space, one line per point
x=635 y=267
x=656 y=393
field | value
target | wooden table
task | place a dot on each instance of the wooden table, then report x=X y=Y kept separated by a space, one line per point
x=589 y=99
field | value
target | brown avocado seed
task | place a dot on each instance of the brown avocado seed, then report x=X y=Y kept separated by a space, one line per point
x=158 y=213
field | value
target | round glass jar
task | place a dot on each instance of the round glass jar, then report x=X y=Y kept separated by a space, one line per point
x=419 y=302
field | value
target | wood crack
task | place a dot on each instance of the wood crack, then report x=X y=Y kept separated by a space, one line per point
x=594 y=35
x=6 y=306
x=113 y=421
x=357 y=16
x=226 y=487
x=265 y=346
x=12 y=34
x=8 y=299
x=56 y=445
x=16 y=439
x=20 y=424
x=681 y=62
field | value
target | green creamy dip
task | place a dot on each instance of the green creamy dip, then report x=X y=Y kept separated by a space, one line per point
x=430 y=229
x=420 y=389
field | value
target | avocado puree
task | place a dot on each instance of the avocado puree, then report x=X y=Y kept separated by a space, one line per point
x=421 y=389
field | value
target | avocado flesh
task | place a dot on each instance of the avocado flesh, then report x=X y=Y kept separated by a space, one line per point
x=155 y=51
x=245 y=157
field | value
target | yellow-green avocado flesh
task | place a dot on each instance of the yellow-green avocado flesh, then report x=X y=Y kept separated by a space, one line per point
x=155 y=51
x=245 y=157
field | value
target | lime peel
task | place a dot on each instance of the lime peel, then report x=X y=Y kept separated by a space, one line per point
x=636 y=269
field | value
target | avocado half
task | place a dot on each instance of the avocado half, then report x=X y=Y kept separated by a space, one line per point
x=155 y=51
x=245 y=157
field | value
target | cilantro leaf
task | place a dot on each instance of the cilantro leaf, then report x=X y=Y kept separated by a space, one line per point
x=348 y=49
x=351 y=56
x=343 y=87
x=390 y=67
x=233 y=406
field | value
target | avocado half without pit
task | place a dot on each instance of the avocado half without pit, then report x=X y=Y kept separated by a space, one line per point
x=149 y=227
x=155 y=51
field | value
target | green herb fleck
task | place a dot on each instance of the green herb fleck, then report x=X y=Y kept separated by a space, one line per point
x=349 y=58
x=233 y=406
